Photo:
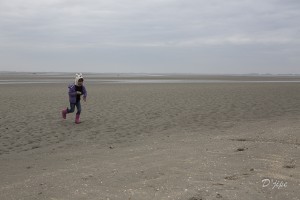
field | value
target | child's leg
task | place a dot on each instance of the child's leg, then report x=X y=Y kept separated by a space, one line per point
x=78 y=106
x=72 y=108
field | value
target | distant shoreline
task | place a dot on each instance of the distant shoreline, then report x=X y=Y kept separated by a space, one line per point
x=104 y=78
x=94 y=79
x=148 y=74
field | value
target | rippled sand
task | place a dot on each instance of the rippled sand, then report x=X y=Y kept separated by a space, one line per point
x=183 y=140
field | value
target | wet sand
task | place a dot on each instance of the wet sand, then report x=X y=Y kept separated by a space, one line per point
x=187 y=140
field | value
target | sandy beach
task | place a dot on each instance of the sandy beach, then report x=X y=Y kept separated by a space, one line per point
x=195 y=138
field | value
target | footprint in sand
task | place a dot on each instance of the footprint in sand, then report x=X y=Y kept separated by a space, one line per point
x=196 y=198
x=241 y=149
x=290 y=165
x=232 y=177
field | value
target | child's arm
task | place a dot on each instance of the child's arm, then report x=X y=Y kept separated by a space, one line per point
x=72 y=91
x=84 y=93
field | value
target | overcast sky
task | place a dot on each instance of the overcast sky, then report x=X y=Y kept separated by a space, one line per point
x=150 y=36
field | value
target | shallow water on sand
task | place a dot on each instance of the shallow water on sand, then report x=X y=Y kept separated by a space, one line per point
x=28 y=81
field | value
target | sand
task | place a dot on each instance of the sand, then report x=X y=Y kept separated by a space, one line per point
x=176 y=140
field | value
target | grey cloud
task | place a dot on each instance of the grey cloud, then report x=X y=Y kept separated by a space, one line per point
x=158 y=22
x=151 y=27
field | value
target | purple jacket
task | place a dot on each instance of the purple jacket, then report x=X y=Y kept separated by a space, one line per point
x=73 y=93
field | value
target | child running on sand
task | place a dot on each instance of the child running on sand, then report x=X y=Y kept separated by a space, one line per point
x=75 y=91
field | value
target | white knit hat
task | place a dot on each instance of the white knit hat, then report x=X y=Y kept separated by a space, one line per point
x=78 y=76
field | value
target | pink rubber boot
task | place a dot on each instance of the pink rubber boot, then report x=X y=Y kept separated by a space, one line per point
x=77 y=120
x=64 y=113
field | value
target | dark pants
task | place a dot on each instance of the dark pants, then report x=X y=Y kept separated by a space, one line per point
x=72 y=107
